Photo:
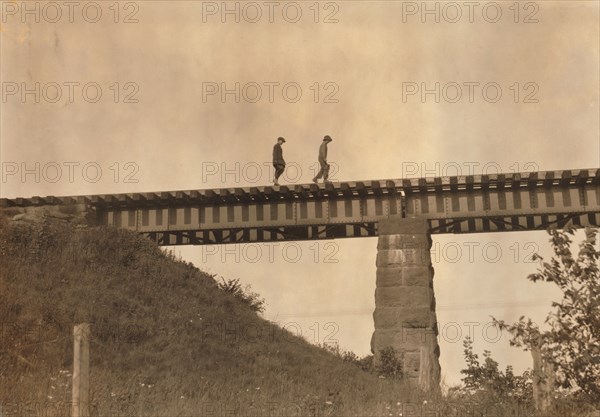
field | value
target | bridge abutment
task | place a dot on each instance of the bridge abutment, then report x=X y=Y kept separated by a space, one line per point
x=404 y=314
x=74 y=213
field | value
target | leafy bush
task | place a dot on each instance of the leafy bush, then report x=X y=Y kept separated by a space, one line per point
x=572 y=344
x=390 y=364
x=486 y=378
x=245 y=294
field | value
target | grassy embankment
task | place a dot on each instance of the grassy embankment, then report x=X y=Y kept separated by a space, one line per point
x=166 y=341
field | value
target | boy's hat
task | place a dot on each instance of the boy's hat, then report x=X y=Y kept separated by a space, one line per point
x=327 y=138
x=281 y=139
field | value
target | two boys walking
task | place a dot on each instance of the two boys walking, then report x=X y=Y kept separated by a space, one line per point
x=279 y=162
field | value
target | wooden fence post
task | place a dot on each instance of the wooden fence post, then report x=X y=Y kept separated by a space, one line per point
x=81 y=371
x=543 y=380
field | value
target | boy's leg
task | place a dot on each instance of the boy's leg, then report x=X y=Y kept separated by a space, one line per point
x=279 y=169
x=321 y=173
x=326 y=172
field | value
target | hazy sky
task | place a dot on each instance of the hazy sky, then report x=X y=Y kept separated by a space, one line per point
x=509 y=86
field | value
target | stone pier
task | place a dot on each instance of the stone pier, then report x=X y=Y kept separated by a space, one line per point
x=404 y=314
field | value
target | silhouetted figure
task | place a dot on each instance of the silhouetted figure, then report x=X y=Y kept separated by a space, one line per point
x=324 y=172
x=278 y=161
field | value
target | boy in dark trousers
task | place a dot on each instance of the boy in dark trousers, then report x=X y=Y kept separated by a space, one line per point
x=324 y=172
x=278 y=161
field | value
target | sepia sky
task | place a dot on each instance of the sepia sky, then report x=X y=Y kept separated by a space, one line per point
x=517 y=90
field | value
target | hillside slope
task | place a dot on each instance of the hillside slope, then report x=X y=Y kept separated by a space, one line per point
x=165 y=339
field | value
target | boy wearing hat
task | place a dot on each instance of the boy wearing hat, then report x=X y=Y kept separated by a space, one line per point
x=278 y=161
x=324 y=172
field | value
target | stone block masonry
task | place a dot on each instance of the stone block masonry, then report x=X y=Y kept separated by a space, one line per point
x=404 y=314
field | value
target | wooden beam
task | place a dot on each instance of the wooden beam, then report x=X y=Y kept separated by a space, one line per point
x=346 y=190
x=485 y=182
x=582 y=177
x=407 y=186
x=81 y=371
x=241 y=194
x=376 y=187
x=515 y=181
x=596 y=179
x=98 y=199
x=469 y=182
x=532 y=180
x=501 y=181
x=391 y=187
x=548 y=179
x=361 y=189
x=124 y=198
x=565 y=177
x=454 y=183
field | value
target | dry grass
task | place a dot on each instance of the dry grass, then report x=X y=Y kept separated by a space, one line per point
x=166 y=341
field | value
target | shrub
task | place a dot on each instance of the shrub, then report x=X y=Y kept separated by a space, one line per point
x=245 y=294
x=486 y=378
x=390 y=364
x=572 y=344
